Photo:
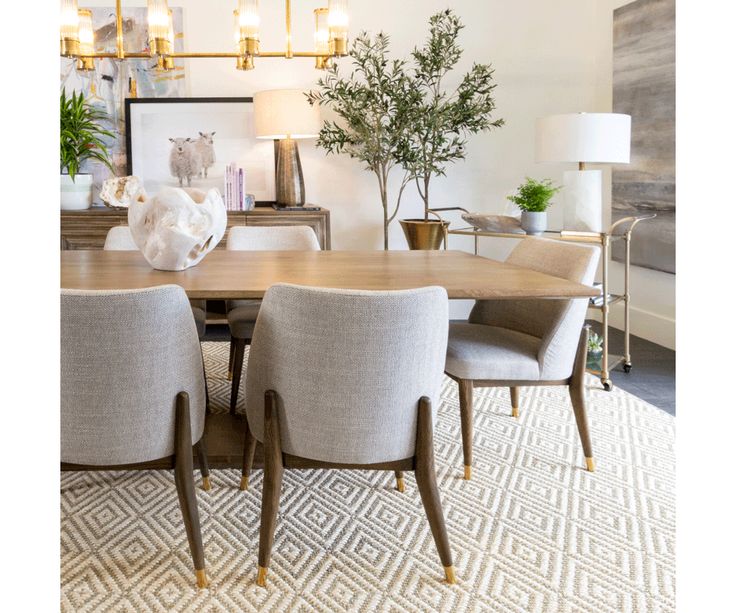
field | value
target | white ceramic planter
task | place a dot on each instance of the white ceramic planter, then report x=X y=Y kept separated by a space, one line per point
x=76 y=195
x=534 y=222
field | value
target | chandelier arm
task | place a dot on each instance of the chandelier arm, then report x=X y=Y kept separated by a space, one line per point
x=119 y=29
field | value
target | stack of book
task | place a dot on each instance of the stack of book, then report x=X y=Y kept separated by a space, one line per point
x=234 y=194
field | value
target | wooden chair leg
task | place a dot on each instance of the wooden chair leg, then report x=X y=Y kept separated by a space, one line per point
x=204 y=469
x=249 y=449
x=577 y=396
x=465 y=388
x=514 y=401
x=232 y=357
x=206 y=387
x=237 y=372
x=274 y=468
x=427 y=485
x=400 y=484
x=184 y=478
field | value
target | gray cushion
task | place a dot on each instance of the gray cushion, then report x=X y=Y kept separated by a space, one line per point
x=242 y=318
x=125 y=355
x=557 y=323
x=349 y=368
x=475 y=351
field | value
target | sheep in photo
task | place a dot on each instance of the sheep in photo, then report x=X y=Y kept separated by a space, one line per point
x=206 y=148
x=184 y=160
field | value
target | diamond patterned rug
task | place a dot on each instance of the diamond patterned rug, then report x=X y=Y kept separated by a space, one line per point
x=532 y=532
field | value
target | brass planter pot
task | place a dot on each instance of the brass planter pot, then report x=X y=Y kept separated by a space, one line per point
x=425 y=235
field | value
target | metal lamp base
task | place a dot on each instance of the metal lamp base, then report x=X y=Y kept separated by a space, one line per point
x=289 y=176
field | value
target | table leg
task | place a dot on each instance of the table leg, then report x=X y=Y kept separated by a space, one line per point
x=605 y=380
x=627 y=302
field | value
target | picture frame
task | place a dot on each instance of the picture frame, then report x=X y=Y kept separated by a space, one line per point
x=220 y=131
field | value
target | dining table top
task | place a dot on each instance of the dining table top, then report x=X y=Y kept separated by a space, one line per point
x=248 y=274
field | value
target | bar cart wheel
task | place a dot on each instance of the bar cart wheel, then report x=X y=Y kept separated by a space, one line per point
x=627 y=367
x=607 y=385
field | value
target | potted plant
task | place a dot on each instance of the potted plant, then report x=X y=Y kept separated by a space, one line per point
x=533 y=198
x=441 y=120
x=81 y=140
x=595 y=351
x=372 y=105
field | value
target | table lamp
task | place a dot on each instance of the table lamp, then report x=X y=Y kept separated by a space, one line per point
x=286 y=115
x=598 y=138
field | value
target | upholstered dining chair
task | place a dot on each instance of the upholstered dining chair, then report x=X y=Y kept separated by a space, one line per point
x=346 y=379
x=132 y=390
x=518 y=343
x=242 y=314
x=119 y=238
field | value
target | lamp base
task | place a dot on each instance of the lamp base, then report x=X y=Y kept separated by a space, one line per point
x=289 y=176
x=583 y=200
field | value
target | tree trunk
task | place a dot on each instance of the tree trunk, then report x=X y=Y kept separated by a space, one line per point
x=425 y=196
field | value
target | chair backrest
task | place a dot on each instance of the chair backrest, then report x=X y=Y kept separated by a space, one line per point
x=125 y=355
x=272 y=238
x=119 y=238
x=348 y=367
x=557 y=322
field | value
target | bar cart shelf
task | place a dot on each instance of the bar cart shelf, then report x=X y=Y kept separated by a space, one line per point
x=620 y=230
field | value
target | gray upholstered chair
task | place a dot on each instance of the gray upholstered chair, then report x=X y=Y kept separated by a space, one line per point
x=119 y=238
x=517 y=343
x=346 y=379
x=132 y=390
x=242 y=314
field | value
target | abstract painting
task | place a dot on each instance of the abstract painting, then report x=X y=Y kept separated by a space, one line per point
x=644 y=87
x=112 y=80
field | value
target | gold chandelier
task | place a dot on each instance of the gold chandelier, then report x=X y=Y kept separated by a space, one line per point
x=330 y=35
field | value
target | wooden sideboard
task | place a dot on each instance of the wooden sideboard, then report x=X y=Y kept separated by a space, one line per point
x=87 y=229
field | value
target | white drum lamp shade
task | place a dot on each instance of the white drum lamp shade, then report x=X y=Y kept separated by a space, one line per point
x=599 y=138
x=285 y=113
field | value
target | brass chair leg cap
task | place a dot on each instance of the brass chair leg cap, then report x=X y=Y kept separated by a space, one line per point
x=202 y=581
x=400 y=485
x=243 y=483
x=468 y=473
x=450 y=575
x=229 y=375
x=514 y=411
x=206 y=484
x=261 y=578
x=590 y=464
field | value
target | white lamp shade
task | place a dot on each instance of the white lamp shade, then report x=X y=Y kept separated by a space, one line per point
x=584 y=137
x=285 y=113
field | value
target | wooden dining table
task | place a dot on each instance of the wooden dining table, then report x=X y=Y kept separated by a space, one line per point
x=249 y=274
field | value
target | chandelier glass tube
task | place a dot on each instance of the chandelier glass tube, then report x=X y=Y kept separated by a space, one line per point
x=250 y=25
x=69 y=28
x=338 y=23
x=158 y=27
x=86 y=41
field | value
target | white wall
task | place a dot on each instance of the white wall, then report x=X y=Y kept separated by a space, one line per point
x=550 y=57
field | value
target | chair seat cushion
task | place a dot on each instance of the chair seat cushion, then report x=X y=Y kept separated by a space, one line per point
x=477 y=351
x=200 y=318
x=242 y=317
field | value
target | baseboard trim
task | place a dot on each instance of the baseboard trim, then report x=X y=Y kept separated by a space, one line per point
x=644 y=324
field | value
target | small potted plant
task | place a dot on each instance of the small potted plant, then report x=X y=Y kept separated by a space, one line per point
x=533 y=198
x=81 y=140
x=595 y=350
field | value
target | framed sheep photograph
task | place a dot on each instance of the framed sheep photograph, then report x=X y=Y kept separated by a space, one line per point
x=189 y=142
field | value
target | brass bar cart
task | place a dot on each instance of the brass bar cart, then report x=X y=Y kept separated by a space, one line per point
x=620 y=230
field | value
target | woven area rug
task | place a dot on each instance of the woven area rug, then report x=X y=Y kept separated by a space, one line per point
x=531 y=532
